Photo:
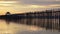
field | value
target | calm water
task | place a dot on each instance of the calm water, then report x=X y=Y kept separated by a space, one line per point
x=14 y=28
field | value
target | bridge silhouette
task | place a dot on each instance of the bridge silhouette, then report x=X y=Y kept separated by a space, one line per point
x=45 y=19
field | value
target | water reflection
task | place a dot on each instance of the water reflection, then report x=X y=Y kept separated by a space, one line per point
x=52 y=24
x=13 y=28
x=44 y=23
x=22 y=27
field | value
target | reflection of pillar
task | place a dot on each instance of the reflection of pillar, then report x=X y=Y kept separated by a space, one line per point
x=29 y=20
x=8 y=17
x=59 y=22
x=7 y=21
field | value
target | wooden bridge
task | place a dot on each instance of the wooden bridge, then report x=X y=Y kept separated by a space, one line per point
x=48 y=19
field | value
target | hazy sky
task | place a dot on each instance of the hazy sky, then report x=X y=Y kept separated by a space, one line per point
x=20 y=6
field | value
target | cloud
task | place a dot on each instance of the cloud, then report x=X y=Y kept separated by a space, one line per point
x=40 y=2
x=29 y=5
x=7 y=0
x=36 y=2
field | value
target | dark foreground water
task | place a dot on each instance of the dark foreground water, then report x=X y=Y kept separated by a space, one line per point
x=14 y=28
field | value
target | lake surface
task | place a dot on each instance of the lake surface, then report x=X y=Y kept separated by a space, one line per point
x=15 y=28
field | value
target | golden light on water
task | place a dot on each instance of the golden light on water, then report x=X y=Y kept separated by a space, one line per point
x=13 y=28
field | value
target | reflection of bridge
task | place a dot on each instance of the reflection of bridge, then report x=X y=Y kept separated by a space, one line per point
x=48 y=19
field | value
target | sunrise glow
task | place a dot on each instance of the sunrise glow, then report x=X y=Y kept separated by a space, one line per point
x=18 y=7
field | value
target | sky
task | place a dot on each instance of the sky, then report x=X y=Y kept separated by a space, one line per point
x=23 y=6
